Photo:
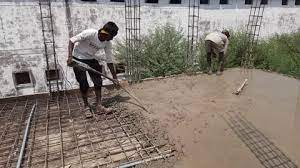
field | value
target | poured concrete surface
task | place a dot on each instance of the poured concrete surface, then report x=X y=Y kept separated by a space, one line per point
x=190 y=109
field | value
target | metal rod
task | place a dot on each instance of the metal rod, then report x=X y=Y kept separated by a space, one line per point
x=17 y=136
x=128 y=136
x=32 y=141
x=87 y=132
x=45 y=46
x=60 y=133
x=264 y=150
x=74 y=132
x=53 y=47
x=87 y=67
x=25 y=138
x=144 y=161
x=7 y=125
x=46 y=134
x=49 y=43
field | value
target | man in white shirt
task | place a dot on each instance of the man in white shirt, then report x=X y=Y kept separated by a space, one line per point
x=217 y=43
x=83 y=47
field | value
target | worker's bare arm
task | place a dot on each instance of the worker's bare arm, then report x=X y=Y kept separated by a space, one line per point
x=70 y=50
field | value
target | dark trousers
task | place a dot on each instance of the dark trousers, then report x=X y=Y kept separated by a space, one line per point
x=82 y=78
x=221 y=60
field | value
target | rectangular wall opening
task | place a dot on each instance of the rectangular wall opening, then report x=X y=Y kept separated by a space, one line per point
x=284 y=2
x=264 y=2
x=248 y=2
x=223 y=2
x=151 y=1
x=175 y=1
x=204 y=1
x=22 y=78
x=117 y=0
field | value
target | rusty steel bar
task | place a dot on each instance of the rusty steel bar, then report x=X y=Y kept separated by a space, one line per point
x=123 y=150
x=106 y=147
x=74 y=132
x=61 y=136
x=136 y=135
x=6 y=125
x=148 y=139
x=25 y=137
x=168 y=154
x=33 y=136
x=60 y=133
x=47 y=136
x=3 y=108
x=129 y=136
x=18 y=135
x=86 y=129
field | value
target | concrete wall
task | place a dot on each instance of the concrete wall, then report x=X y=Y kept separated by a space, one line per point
x=21 y=41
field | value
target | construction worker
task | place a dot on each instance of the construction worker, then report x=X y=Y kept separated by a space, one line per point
x=217 y=43
x=83 y=47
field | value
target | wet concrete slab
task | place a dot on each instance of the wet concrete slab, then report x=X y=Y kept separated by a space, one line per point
x=192 y=109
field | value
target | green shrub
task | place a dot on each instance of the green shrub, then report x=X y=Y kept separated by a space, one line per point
x=280 y=53
x=163 y=52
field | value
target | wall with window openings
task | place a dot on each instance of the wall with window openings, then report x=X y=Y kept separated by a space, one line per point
x=211 y=3
x=22 y=63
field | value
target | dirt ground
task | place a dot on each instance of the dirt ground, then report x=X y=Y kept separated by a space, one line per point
x=189 y=108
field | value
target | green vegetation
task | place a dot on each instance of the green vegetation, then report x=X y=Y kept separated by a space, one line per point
x=163 y=52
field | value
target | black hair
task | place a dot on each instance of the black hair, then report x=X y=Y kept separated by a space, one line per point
x=226 y=32
x=111 y=28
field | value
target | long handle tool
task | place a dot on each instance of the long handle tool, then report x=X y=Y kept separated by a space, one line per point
x=84 y=66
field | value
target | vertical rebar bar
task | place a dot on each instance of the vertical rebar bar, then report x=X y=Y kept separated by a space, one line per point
x=132 y=23
x=87 y=131
x=49 y=43
x=74 y=132
x=45 y=46
x=46 y=134
x=252 y=34
x=18 y=134
x=193 y=31
x=60 y=132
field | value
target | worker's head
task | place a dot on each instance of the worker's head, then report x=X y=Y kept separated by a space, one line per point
x=226 y=32
x=108 y=31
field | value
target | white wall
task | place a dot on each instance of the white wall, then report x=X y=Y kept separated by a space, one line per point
x=21 y=42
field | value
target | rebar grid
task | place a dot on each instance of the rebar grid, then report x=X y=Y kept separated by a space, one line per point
x=13 y=123
x=252 y=33
x=133 y=41
x=60 y=136
x=193 y=31
x=269 y=155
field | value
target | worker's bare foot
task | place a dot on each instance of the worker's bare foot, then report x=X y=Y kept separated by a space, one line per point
x=87 y=112
x=209 y=72
x=102 y=110
x=219 y=72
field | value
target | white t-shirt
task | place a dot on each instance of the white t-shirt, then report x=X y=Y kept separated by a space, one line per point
x=87 y=45
x=219 y=39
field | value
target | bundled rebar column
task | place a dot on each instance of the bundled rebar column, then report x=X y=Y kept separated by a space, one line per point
x=133 y=41
x=193 y=31
x=253 y=29
x=52 y=72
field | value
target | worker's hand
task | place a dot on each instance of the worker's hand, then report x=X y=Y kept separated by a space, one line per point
x=116 y=82
x=69 y=61
x=124 y=83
